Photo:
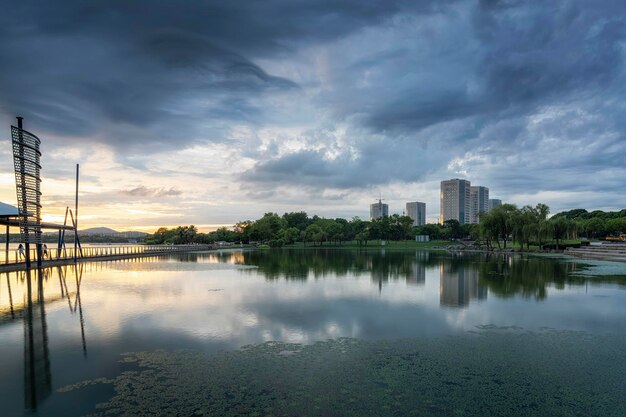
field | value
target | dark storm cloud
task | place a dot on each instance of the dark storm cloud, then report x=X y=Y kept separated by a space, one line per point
x=158 y=72
x=510 y=91
x=530 y=53
x=530 y=89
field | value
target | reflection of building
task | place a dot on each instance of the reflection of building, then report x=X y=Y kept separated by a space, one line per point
x=37 y=376
x=455 y=201
x=479 y=202
x=458 y=286
x=378 y=210
x=418 y=272
x=416 y=211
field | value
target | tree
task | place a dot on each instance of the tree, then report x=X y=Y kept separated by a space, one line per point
x=266 y=228
x=242 y=228
x=616 y=226
x=489 y=230
x=289 y=235
x=333 y=231
x=452 y=229
x=314 y=233
x=347 y=229
x=524 y=229
x=300 y=220
x=362 y=237
x=561 y=228
x=431 y=230
x=503 y=218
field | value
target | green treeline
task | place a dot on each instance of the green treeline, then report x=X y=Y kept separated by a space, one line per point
x=289 y=228
x=598 y=223
x=527 y=226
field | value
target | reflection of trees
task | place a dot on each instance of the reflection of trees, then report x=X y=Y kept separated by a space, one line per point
x=507 y=276
x=387 y=266
x=300 y=264
x=467 y=275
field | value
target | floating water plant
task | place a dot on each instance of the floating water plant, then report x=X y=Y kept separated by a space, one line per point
x=491 y=372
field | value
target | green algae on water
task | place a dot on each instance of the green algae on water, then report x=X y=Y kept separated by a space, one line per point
x=491 y=372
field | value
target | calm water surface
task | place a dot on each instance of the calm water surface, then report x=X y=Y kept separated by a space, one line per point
x=316 y=333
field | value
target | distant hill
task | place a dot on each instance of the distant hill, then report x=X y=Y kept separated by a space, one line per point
x=98 y=231
x=106 y=231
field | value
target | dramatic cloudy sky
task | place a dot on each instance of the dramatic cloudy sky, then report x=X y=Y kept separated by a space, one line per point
x=210 y=112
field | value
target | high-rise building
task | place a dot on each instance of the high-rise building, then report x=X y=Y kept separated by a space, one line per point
x=494 y=202
x=455 y=201
x=416 y=211
x=479 y=202
x=378 y=210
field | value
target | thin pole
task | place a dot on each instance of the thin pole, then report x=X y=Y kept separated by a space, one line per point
x=61 y=244
x=76 y=215
x=6 y=247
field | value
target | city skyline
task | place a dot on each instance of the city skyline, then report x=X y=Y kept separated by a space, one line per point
x=212 y=113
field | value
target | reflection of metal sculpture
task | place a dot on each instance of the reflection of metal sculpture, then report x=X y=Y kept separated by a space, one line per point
x=26 y=156
x=37 y=375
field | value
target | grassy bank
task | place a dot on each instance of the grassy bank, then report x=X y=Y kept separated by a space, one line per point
x=411 y=245
x=373 y=244
x=534 y=248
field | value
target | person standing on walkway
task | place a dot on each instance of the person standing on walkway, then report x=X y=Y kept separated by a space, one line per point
x=45 y=251
x=20 y=251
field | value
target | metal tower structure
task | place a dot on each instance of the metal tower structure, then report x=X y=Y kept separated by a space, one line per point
x=26 y=161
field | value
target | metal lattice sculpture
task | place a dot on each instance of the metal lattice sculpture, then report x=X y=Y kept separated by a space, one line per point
x=26 y=157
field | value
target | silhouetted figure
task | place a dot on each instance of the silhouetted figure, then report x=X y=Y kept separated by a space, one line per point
x=20 y=251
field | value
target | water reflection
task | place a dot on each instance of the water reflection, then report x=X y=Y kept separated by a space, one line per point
x=382 y=266
x=77 y=272
x=37 y=376
x=224 y=300
x=28 y=294
x=462 y=277
x=458 y=284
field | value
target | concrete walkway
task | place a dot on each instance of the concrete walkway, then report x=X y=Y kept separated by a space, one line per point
x=110 y=255
x=604 y=252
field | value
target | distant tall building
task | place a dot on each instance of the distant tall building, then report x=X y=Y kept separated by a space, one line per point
x=455 y=201
x=494 y=202
x=379 y=210
x=416 y=211
x=479 y=202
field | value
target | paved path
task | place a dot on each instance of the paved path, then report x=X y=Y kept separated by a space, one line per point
x=110 y=254
x=604 y=252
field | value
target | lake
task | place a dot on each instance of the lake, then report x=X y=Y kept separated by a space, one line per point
x=316 y=333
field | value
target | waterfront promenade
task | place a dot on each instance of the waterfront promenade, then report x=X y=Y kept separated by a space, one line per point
x=605 y=252
x=64 y=256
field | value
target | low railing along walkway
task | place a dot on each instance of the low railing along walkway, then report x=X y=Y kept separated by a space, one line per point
x=55 y=256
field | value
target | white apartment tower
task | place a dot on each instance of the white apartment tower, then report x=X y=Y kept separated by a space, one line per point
x=378 y=210
x=479 y=202
x=416 y=211
x=455 y=201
